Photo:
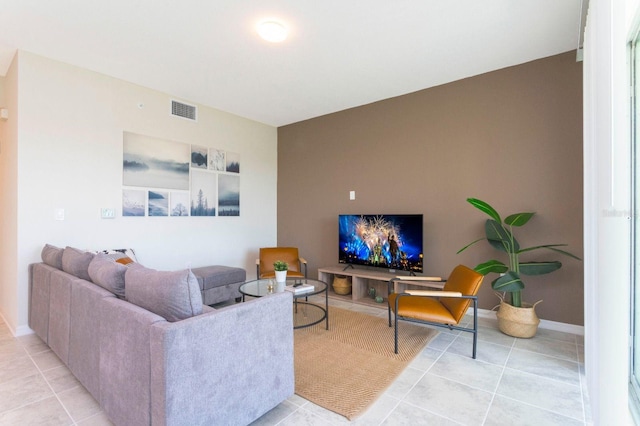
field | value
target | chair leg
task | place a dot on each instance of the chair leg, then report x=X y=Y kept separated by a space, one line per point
x=396 y=334
x=389 y=310
x=475 y=326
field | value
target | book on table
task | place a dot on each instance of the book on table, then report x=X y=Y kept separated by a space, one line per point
x=299 y=288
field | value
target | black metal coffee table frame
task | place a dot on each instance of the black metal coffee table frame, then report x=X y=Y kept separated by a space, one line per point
x=264 y=287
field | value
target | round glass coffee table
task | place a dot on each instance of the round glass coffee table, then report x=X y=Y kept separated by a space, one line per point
x=305 y=313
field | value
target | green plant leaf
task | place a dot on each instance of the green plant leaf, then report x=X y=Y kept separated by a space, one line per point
x=566 y=253
x=553 y=248
x=509 y=282
x=518 y=219
x=485 y=207
x=469 y=245
x=500 y=238
x=539 y=268
x=491 y=266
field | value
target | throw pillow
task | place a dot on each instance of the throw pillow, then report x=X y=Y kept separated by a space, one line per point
x=172 y=295
x=119 y=253
x=52 y=256
x=76 y=262
x=108 y=274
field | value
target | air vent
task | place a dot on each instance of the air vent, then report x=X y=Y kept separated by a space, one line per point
x=180 y=109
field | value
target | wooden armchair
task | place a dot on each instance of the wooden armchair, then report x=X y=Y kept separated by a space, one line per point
x=440 y=308
x=268 y=255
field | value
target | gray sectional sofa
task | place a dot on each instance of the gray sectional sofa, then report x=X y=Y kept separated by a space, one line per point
x=145 y=347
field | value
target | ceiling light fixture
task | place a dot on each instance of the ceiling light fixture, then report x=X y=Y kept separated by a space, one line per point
x=272 y=31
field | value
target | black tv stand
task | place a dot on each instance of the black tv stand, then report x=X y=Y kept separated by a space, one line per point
x=349 y=265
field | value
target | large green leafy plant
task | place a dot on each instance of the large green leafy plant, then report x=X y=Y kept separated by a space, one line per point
x=499 y=234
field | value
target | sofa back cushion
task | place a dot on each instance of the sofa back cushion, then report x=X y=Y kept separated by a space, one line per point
x=52 y=256
x=173 y=295
x=108 y=274
x=76 y=262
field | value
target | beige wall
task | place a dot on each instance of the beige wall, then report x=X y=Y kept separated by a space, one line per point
x=512 y=137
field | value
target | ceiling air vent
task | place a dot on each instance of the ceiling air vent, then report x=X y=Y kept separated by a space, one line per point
x=180 y=109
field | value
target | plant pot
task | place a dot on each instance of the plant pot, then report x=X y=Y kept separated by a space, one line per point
x=281 y=276
x=518 y=322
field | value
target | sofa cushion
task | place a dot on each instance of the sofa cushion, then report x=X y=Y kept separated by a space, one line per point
x=76 y=262
x=52 y=256
x=108 y=274
x=173 y=295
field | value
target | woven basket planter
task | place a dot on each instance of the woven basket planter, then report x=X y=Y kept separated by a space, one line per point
x=518 y=322
x=342 y=284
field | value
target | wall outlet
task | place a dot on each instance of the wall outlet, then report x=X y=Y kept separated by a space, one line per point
x=108 y=213
x=59 y=214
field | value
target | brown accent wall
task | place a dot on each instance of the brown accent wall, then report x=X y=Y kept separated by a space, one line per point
x=511 y=137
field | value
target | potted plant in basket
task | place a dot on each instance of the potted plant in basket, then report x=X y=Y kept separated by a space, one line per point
x=515 y=317
x=280 y=267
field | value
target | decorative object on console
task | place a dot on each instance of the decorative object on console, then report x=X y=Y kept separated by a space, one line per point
x=342 y=284
x=500 y=236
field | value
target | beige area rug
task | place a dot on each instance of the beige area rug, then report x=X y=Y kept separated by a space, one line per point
x=346 y=368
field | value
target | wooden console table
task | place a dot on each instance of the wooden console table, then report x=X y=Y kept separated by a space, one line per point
x=364 y=279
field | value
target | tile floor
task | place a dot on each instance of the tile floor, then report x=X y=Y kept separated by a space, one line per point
x=537 y=381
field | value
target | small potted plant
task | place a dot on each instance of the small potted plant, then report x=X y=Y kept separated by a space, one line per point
x=515 y=317
x=280 y=267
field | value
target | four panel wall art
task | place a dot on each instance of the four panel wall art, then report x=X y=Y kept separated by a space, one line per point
x=167 y=178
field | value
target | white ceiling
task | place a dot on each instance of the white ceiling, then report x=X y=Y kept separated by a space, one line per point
x=340 y=54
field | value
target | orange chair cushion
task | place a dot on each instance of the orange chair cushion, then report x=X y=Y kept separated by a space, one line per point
x=422 y=308
x=268 y=255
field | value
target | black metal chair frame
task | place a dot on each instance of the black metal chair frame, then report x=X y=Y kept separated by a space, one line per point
x=473 y=330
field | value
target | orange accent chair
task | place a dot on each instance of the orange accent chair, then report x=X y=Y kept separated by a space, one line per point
x=268 y=255
x=440 y=308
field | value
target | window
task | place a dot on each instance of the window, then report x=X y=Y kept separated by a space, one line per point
x=634 y=386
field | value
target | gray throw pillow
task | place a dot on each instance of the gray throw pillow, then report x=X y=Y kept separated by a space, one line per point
x=172 y=295
x=76 y=262
x=105 y=272
x=52 y=256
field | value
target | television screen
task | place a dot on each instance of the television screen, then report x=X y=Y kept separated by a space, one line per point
x=384 y=241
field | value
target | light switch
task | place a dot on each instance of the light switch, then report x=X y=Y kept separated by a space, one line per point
x=352 y=195
x=59 y=214
x=108 y=213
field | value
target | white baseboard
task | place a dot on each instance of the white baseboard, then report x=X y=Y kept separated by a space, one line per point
x=22 y=330
x=546 y=324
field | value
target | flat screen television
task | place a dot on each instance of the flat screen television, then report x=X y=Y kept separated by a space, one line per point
x=390 y=241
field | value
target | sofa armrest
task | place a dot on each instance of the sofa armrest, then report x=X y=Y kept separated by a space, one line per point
x=229 y=366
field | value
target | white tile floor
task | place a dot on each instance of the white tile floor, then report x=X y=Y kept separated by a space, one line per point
x=537 y=381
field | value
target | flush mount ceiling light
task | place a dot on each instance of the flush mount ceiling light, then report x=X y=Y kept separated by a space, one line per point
x=272 y=30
